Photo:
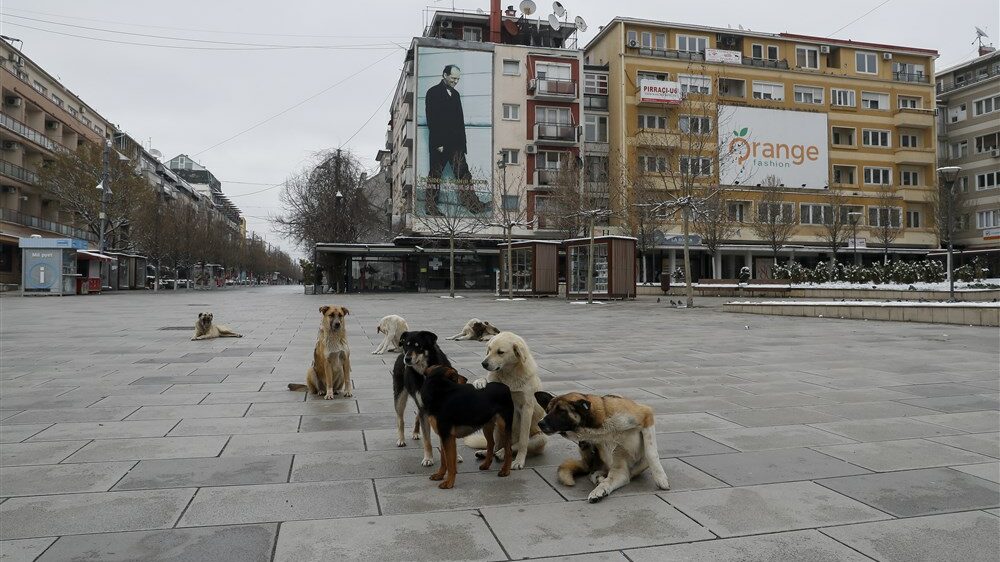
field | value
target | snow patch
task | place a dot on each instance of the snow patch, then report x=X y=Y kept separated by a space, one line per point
x=936 y=304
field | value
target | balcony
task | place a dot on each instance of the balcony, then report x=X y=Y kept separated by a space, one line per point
x=597 y=103
x=980 y=75
x=18 y=173
x=914 y=118
x=552 y=89
x=915 y=156
x=555 y=133
x=408 y=134
x=657 y=138
x=547 y=177
x=666 y=53
x=19 y=128
x=766 y=63
x=16 y=217
x=912 y=77
x=408 y=176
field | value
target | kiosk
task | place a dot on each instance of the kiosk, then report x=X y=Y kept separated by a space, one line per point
x=614 y=267
x=535 y=267
x=48 y=265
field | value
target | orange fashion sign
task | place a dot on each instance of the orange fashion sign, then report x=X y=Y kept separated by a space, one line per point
x=790 y=145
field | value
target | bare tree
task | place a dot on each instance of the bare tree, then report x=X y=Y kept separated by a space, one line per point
x=889 y=215
x=151 y=227
x=834 y=217
x=948 y=206
x=511 y=212
x=713 y=222
x=455 y=229
x=639 y=210
x=777 y=218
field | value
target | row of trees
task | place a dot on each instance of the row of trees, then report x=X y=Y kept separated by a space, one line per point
x=173 y=233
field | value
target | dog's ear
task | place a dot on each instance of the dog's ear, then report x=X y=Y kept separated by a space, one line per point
x=460 y=379
x=432 y=337
x=200 y=314
x=485 y=322
x=518 y=350
x=582 y=405
x=344 y=310
x=402 y=337
x=323 y=309
x=543 y=398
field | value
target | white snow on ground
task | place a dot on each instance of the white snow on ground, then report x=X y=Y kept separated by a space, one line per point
x=942 y=286
x=585 y=302
x=873 y=303
x=509 y=300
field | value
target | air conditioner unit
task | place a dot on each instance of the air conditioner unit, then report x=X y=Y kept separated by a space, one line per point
x=446 y=24
x=10 y=145
x=995 y=153
x=52 y=125
x=633 y=43
x=12 y=101
x=530 y=149
x=824 y=49
x=886 y=56
x=532 y=84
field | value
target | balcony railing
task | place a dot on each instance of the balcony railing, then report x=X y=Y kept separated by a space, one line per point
x=21 y=174
x=917 y=77
x=15 y=126
x=669 y=53
x=38 y=223
x=595 y=102
x=552 y=88
x=555 y=132
x=545 y=177
x=977 y=77
x=765 y=63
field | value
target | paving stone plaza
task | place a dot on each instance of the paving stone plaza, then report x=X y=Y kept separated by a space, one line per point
x=796 y=439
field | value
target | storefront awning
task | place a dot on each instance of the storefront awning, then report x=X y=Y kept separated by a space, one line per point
x=87 y=255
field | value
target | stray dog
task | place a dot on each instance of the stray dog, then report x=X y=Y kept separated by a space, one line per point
x=456 y=409
x=476 y=329
x=331 y=367
x=205 y=329
x=392 y=326
x=509 y=361
x=616 y=436
x=420 y=352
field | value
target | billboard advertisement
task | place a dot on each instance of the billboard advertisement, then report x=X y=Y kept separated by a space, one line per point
x=658 y=91
x=454 y=133
x=755 y=143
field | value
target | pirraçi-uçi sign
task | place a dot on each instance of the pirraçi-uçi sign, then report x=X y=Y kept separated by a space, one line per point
x=659 y=91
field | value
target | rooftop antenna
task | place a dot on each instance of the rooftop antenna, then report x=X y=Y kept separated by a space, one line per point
x=527 y=7
x=581 y=24
x=554 y=22
x=980 y=34
x=559 y=10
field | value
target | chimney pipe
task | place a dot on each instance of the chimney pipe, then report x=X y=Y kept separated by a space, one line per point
x=494 y=21
x=985 y=49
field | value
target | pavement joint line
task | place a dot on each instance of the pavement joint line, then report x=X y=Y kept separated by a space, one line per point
x=223 y=449
x=685 y=514
x=291 y=467
x=813 y=449
x=378 y=505
x=844 y=543
x=872 y=506
x=479 y=513
x=277 y=535
x=134 y=464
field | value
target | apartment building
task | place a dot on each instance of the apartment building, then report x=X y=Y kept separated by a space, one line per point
x=205 y=182
x=968 y=96
x=809 y=113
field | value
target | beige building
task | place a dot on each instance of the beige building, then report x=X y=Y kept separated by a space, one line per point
x=828 y=114
x=968 y=97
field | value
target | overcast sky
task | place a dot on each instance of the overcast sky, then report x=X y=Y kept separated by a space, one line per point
x=224 y=80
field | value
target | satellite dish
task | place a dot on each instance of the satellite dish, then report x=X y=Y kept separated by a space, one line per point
x=581 y=24
x=980 y=32
x=156 y=153
x=554 y=22
x=527 y=7
x=558 y=9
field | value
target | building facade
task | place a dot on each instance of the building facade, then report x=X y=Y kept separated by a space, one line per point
x=205 y=182
x=968 y=97
x=809 y=114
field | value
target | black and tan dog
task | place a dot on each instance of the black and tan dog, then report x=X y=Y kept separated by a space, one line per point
x=616 y=436
x=456 y=409
x=420 y=352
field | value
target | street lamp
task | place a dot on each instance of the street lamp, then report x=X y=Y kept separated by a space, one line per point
x=854 y=216
x=949 y=174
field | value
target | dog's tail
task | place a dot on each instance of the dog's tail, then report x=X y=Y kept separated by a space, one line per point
x=476 y=440
x=570 y=469
x=293 y=386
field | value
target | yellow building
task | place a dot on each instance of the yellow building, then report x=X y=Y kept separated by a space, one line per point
x=705 y=106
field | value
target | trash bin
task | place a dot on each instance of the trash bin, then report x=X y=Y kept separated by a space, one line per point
x=665 y=282
x=82 y=286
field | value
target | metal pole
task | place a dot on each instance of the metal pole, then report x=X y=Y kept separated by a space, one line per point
x=951 y=231
x=105 y=177
x=854 y=241
x=590 y=264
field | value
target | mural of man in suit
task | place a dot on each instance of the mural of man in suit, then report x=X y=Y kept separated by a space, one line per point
x=447 y=142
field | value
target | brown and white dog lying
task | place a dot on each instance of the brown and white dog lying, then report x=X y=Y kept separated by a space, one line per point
x=617 y=439
x=331 y=367
x=392 y=326
x=476 y=329
x=205 y=329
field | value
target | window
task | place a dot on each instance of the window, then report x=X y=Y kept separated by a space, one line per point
x=841 y=98
x=57 y=100
x=959 y=149
x=511 y=156
x=553 y=115
x=595 y=128
x=907 y=102
x=511 y=112
x=756 y=51
x=595 y=84
x=963 y=222
x=511 y=202
x=912 y=219
x=772 y=52
x=632 y=38
x=885 y=216
x=988 y=219
x=874 y=100
x=696 y=166
x=692 y=43
x=596 y=168
x=989 y=180
x=738 y=211
x=806 y=57
x=550 y=160
x=878 y=176
x=808 y=94
x=816 y=214
x=511 y=67
x=874 y=137
x=553 y=71
x=472 y=34
x=661 y=42
x=732 y=88
x=851 y=213
x=652 y=164
x=40 y=87
x=909 y=177
x=986 y=106
x=692 y=124
x=775 y=212
x=866 y=63
x=843 y=136
x=908 y=141
x=73 y=112
x=768 y=91
x=986 y=143
x=907 y=72
x=963 y=184
x=652 y=121
x=695 y=84
x=957 y=113
x=647 y=39
x=661 y=76
x=843 y=175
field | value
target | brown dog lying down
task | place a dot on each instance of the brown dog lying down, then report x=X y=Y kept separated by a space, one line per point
x=205 y=329
x=476 y=329
x=456 y=409
x=331 y=367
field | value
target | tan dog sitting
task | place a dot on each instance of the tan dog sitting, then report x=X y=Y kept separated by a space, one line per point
x=331 y=367
x=205 y=329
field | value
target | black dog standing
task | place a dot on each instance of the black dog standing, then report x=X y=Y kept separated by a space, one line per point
x=420 y=352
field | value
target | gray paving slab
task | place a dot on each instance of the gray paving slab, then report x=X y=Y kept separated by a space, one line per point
x=952 y=404
x=389 y=463
x=682 y=477
x=901 y=455
x=202 y=472
x=210 y=387
x=180 y=379
x=872 y=410
x=969 y=537
x=776 y=416
x=580 y=527
x=23 y=550
x=253 y=397
x=173 y=399
x=48 y=452
x=340 y=422
x=778 y=547
x=886 y=429
x=417 y=494
x=982 y=443
x=235 y=426
x=237 y=543
x=279 y=502
x=101 y=430
x=860 y=395
x=919 y=492
x=770 y=508
x=294 y=443
x=779 y=400
x=310 y=408
x=149 y=448
x=61 y=478
x=594 y=557
x=18 y=433
x=666 y=423
x=187 y=412
x=459 y=536
x=972 y=422
x=686 y=443
x=777 y=437
x=63 y=415
x=939 y=389
x=987 y=470
x=104 y=512
x=766 y=467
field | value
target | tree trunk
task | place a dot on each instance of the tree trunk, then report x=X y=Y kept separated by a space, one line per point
x=590 y=264
x=451 y=268
x=510 y=265
x=156 y=277
x=689 y=290
x=644 y=271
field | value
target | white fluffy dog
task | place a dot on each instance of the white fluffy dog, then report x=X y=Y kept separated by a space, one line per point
x=392 y=326
x=509 y=361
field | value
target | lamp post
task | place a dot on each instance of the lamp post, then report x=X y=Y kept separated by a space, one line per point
x=949 y=174
x=854 y=216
